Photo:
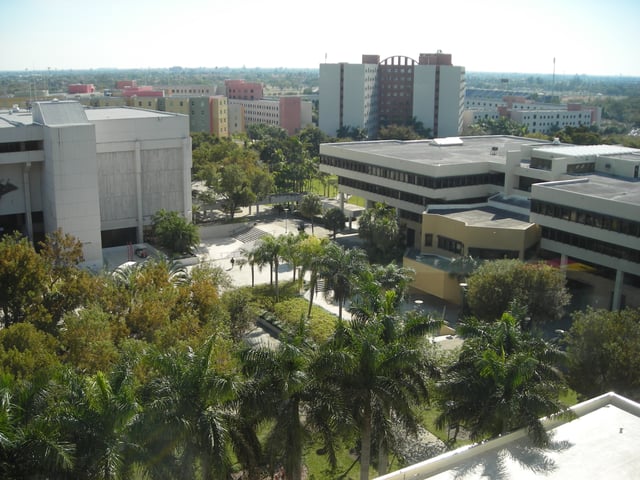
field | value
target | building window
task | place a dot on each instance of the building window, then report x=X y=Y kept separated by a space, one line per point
x=428 y=239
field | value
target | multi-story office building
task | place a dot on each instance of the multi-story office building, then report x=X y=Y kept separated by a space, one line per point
x=502 y=196
x=189 y=90
x=290 y=113
x=208 y=114
x=538 y=117
x=396 y=90
x=241 y=90
x=99 y=174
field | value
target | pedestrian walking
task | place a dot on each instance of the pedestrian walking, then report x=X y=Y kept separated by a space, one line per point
x=233 y=261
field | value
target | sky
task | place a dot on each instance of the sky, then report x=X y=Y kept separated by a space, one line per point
x=592 y=37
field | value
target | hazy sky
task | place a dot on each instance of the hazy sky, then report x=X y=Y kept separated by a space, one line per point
x=594 y=37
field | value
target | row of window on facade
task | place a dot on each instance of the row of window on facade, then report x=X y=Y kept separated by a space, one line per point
x=594 y=219
x=592 y=244
x=493 y=178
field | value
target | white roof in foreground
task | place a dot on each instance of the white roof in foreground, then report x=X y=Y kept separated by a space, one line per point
x=602 y=442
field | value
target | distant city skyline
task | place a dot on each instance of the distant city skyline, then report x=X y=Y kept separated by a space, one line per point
x=583 y=36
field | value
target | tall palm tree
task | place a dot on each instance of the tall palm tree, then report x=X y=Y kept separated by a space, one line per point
x=270 y=252
x=340 y=266
x=250 y=257
x=277 y=390
x=188 y=413
x=32 y=442
x=312 y=251
x=310 y=206
x=375 y=305
x=101 y=412
x=504 y=379
x=373 y=377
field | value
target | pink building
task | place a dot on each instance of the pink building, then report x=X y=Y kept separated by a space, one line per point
x=241 y=90
x=82 y=88
x=291 y=114
x=122 y=84
x=142 y=91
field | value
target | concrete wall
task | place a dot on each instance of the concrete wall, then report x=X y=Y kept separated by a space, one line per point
x=424 y=86
x=70 y=186
x=329 y=107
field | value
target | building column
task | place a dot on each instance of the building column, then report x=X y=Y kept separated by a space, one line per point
x=26 y=180
x=617 y=290
x=138 y=174
x=187 y=208
x=564 y=260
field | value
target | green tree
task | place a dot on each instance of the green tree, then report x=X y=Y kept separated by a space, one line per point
x=377 y=374
x=174 y=232
x=379 y=228
x=334 y=219
x=540 y=288
x=340 y=267
x=188 y=410
x=32 y=442
x=603 y=350
x=278 y=390
x=23 y=276
x=89 y=340
x=397 y=132
x=270 y=251
x=376 y=303
x=100 y=411
x=504 y=379
x=26 y=351
x=310 y=207
x=68 y=286
x=312 y=250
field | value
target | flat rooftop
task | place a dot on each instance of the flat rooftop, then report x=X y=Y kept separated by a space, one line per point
x=485 y=217
x=109 y=113
x=602 y=442
x=600 y=186
x=589 y=150
x=470 y=150
x=11 y=119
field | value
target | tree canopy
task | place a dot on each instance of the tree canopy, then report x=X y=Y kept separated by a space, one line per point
x=538 y=287
x=603 y=349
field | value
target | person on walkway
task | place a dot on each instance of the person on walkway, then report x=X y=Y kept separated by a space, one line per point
x=233 y=261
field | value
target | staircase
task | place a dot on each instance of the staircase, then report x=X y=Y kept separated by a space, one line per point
x=250 y=235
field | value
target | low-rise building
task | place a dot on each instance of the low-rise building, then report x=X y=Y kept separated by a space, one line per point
x=503 y=196
x=99 y=174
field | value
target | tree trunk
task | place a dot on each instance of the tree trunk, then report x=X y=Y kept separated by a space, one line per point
x=383 y=457
x=365 y=441
x=312 y=289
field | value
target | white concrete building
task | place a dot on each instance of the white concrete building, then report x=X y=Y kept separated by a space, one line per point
x=98 y=174
x=600 y=442
x=586 y=199
x=392 y=91
x=291 y=113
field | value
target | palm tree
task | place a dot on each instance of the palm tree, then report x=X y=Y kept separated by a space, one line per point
x=100 y=412
x=504 y=379
x=188 y=413
x=276 y=390
x=312 y=251
x=269 y=252
x=375 y=378
x=291 y=250
x=310 y=207
x=375 y=305
x=32 y=444
x=339 y=268
x=250 y=257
